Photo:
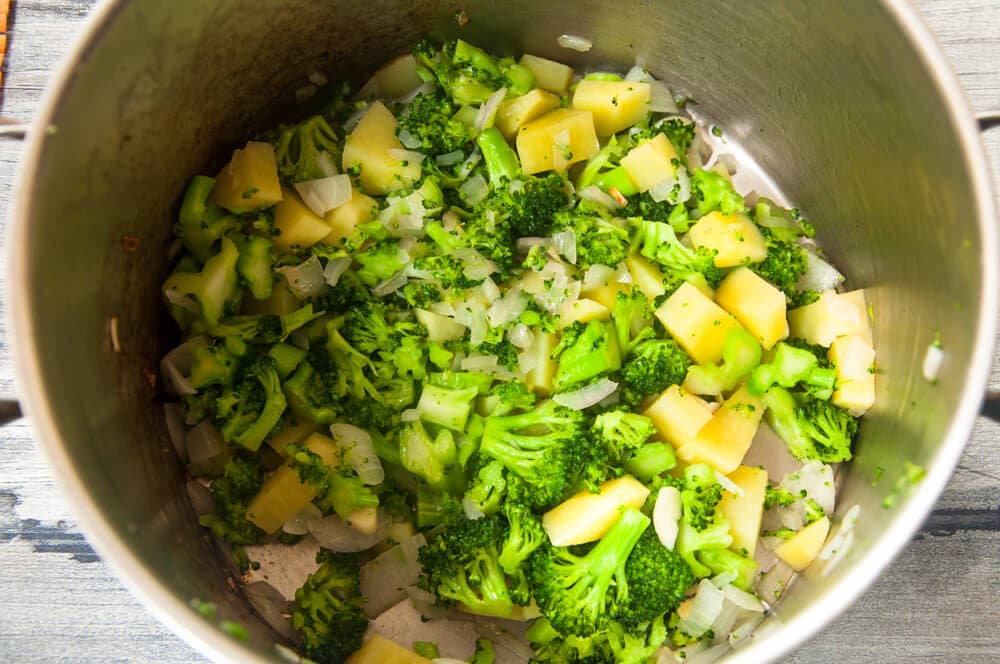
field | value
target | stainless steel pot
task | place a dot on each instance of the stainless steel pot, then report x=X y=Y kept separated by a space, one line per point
x=848 y=105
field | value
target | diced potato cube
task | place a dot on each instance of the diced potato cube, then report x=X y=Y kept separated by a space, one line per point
x=735 y=238
x=854 y=360
x=364 y=520
x=678 y=415
x=556 y=140
x=698 y=324
x=646 y=275
x=344 y=219
x=607 y=293
x=291 y=434
x=755 y=303
x=725 y=439
x=542 y=377
x=439 y=328
x=583 y=310
x=587 y=516
x=549 y=74
x=368 y=146
x=647 y=165
x=300 y=227
x=380 y=650
x=745 y=512
x=517 y=112
x=283 y=493
x=398 y=77
x=616 y=105
x=832 y=315
x=803 y=547
x=250 y=180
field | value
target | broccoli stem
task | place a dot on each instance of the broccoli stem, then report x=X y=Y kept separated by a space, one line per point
x=616 y=178
x=501 y=160
x=650 y=460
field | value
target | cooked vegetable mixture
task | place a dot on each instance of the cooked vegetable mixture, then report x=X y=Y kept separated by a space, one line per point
x=496 y=339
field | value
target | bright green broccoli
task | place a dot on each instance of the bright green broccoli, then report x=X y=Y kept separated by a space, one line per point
x=255 y=263
x=741 y=354
x=212 y=365
x=328 y=615
x=430 y=119
x=484 y=654
x=432 y=458
x=232 y=493
x=678 y=131
x=657 y=581
x=725 y=561
x=309 y=150
x=487 y=489
x=213 y=289
x=524 y=536
x=713 y=191
x=436 y=507
x=789 y=367
x=468 y=75
x=337 y=489
x=201 y=223
x=653 y=366
x=811 y=427
x=633 y=317
x=601 y=239
x=650 y=460
x=379 y=262
x=264 y=329
x=702 y=526
x=248 y=410
x=586 y=352
x=622 y=431
x=784 y=264
x=658 y=242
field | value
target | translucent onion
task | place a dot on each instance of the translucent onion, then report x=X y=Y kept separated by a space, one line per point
x=359 y=452
x=421 y=89
x=816 y=480
x=325 y=194
x=448 y=660
x=840 y=544
x=475 y=189
x=206 y=449
x=674 y=188
x=449 y=158
x=409 y=415
x=594 y=194
x=565 y=242
x=472 y=510
x=508 y=308
x=527 y=361
x=666 y=514
x=271 y=605
x=819 y=275
x=575 y=43
x=306 y=279
x=706 y=608
x=521 y=336
x=933 y=359
x=426 y=604
x=384 y=579
x=637 y=73
x=408 y=140
x=524 y=244
x=185 y=302
x=661 y=98
x=409 y=156
x=335 y=268
x=317 y=78
x=588 y=395
x=299 y=523
x=597 y=276
x=201 y=497
x=470 y=162
x=743 y=599
x=390 y=285
x=475 y=265
x=174 y=416
x=335 y=534
x=709 y=655
x=727 y=484
x=480 y=363
x=176 y=366
x=742 y=630
x=488 y=111
x=490 y=290
x=774 y=582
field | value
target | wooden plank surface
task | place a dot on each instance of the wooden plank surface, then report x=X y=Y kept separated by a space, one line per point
x=60 y=603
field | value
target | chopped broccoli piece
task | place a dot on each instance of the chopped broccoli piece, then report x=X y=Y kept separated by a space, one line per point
x=811 y=427
x=429 y=119
x=622 y=431
x=213 y=288
x=714 y=191
x=484 y=654
x=328 y=614
x=255 y=263
x=657 y=581
x=789 y=367
x=587 y=353
x=784 y=264
x=468 y=75
x=633 y=317
x=741 y=354
x=658 y=242
x=487 y=489
x=655 y=365
x=212 y=365
x=248 y=410
x=232 y=492
x=309 y=150
x=725 y=561
x=702 y=525
x=524 y=536
x=201 y=223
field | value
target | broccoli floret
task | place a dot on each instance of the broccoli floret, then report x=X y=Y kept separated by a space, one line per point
x=650 y=460
x=778 y=497
x=524 y=536
x=420 y=294
x=725 y=561
x=784 y=225
x=267 y=329
x=328 y=614
x=655 y=365
x=368 y=328
x=642 y=206
x=379 y=262
x=512 y=396
x=553 y=648
x=790 y=367
x=702 y=525
x=634 y=646
x=461 y=566
x=658 y=242
x=712 y=191
x=202 y=223
x=248 y=410
x=432 y=459
x=784 y=264
x=309 y=150
x=531 y=207
x=337 y=489
x=622 y=431
x=255 y=263
x=542 y=446
x=436 y=507
x=446 y=270
x=469 y=75
x=741 y=354
x=350 y=291
x=578 y=594
x=633 y=317
x=812 y=428
x=426 y=649
x=212 y=365
x=311 y=393
x=429 y=119
x=586 y=353
x=487 y=489
x=350 y=365
x=658 y=580
x=600 y=240
x=484 y=654
x=213 y=289
x=232 y=493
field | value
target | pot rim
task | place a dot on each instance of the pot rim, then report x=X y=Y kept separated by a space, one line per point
x=176 y=613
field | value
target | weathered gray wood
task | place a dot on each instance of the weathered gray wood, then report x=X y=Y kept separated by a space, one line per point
x=59 y=602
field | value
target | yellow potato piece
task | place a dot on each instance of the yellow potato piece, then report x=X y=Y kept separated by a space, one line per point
x=801 y=549
x=745 y=512
x=646 y=275
x=380 y=650
x=678 y=415
x=549 y=74
x=854 y=360
x=300 y=227
x=735 y=238
x=616 y=105
x=650 y=163
x=583 y=310
x=587 y=516
x=283 y=493
x=250 y=180
x=398 y=77
x=344 y=220
x=557 y=140
x=368 y=146
x=755 y=303
x=832 y=315
x=607 y=293
x=725 y=439
x=540 y=379
x=517 y=112
x=439 y=328
x=698 y=324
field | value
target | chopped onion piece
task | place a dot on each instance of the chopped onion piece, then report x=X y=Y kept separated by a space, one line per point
x=183 y=301
x=932 y=362
x=176 y=366
x=744 y=629
x=408 y=156
x=524 y=244
x=666 y=514
x=575 y=43
x=709 y=655
x=408 y=140
x=521 y=336
x=840 y=544
x=306 y=279
x=359 y=451
x=597 y=276
x=743 y=599
x=174 y=415
x=565 y=242
x=490 y=290
x=472 y=510
x=508 y=308
x=422 y=89
x=475 y=189
x=727 y=484
x=201 y=497
x=335 y=268
x=271 y=605
x=325 y=194
x=819 y=275
x=409 y=415
x=206 y=449
x=594 y=194
x=637 y=73
x=335 y=534
x=448 y=660
x=661 y=98
x=449 y=158
x=384 y=579
x=526 y=361
x=480 y=363
x=426 y=603
x=674 y=188
x=622 y=275
x=816 y=480
x=390 y=285
x=706 y=608
x=515 y=186
x=476 y=266
x=317 y=78
x=774 y=582
x=299 y=523
x=488 y=111
x=588 y=395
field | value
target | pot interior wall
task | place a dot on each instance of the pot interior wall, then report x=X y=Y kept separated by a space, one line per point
x=827 y=97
